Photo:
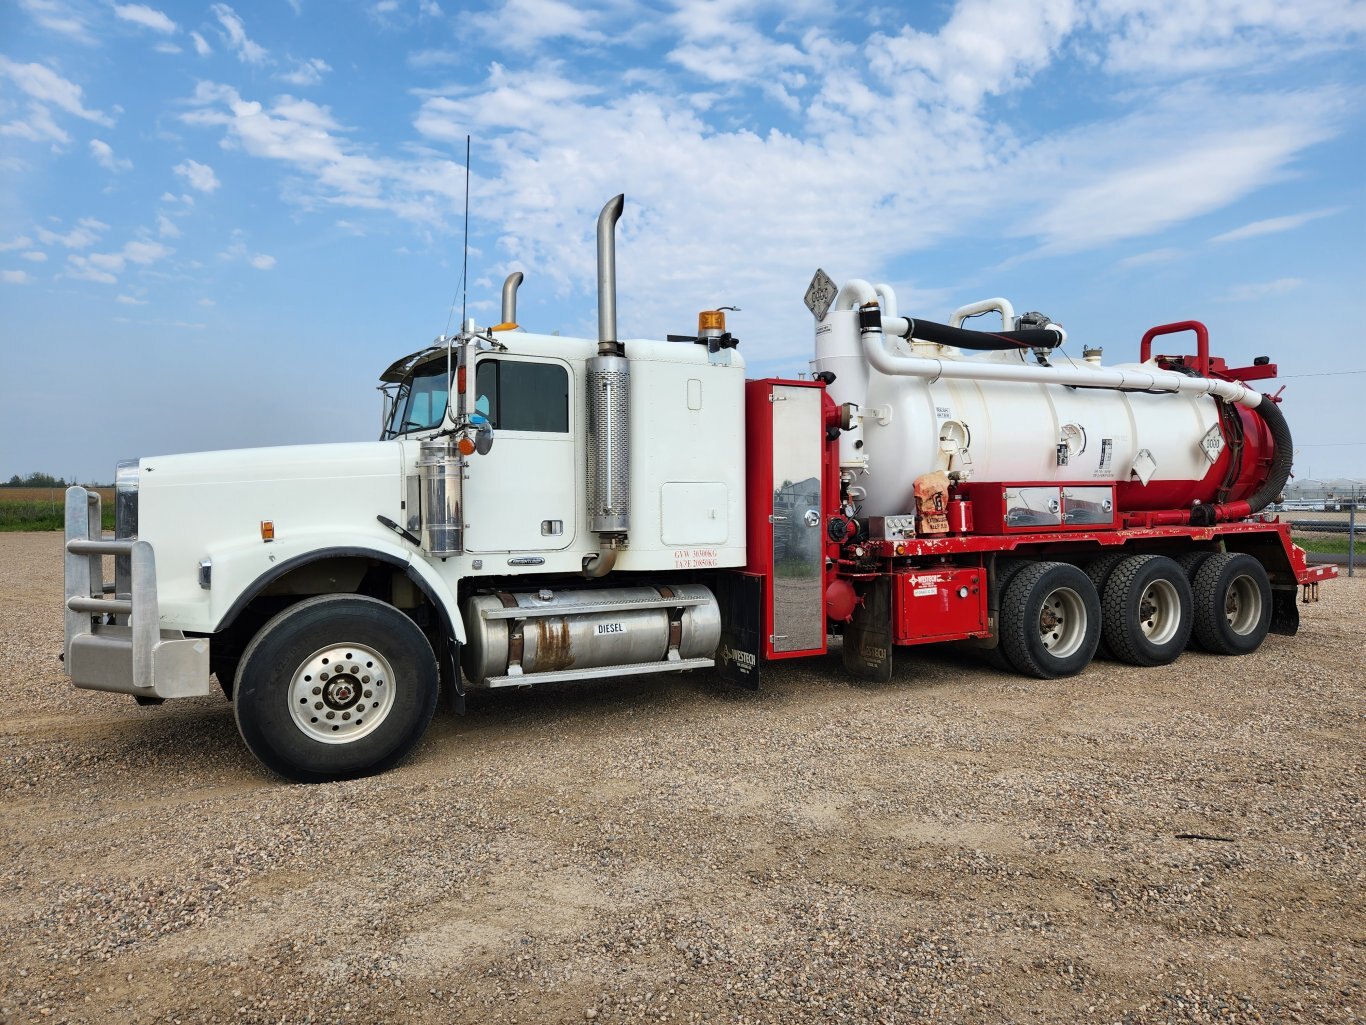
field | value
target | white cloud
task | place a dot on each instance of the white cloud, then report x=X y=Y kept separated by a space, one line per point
x=1274 y=225
x=1110 y=183
x=528 y=24
x=105 y=267
x=21 y=242
x=15 y=277
x=84 y=269
x=263 y=262
x=307 y=72
x=1172 y=37
x=1153 y=256
x=86 y=233
x=147 y=17
x=1261 y=290
x=235 y=32
x=47 y=87
x=423 y=59
x=207 y=302
x=104 y=156
x=166 y=227
x=34 y=256
x=37 y=127
x=199 y=176
x=58 y=17
x=201 y=46
x=129 y=300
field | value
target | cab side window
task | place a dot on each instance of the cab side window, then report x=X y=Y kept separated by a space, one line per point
x=518 y=396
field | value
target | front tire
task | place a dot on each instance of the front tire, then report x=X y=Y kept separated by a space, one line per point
x=335 y=687
x=1050 y=620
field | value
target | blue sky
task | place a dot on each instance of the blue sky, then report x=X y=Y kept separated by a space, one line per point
x=218 y=222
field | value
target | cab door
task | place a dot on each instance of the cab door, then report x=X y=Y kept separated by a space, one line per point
x=522 y=496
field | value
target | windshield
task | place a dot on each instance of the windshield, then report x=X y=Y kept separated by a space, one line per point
x=421 y=400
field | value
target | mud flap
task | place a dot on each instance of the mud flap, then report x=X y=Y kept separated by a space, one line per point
x=1285 y=611
x=868 y=636
x=740 y=655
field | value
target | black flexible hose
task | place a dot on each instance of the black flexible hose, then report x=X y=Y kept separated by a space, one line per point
x=1276 y=477
x=943 y=334
x=1270 y=412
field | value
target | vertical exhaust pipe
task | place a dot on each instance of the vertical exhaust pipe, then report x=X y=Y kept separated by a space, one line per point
x=607 y=276
x=510 y=286
x=609 y=411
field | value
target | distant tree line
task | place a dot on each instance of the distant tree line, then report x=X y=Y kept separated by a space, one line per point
x=35 y=480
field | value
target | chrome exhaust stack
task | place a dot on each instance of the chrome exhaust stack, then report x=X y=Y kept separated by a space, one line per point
x=510 y=286
x=609 y=411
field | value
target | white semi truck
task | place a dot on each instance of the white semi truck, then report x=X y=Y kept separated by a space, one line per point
x=542 y=509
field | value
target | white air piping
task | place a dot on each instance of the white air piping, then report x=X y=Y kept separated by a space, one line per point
x=875 y=351
x=1002 y=306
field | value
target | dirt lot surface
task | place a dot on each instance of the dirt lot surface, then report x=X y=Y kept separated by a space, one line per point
x=1179 y=844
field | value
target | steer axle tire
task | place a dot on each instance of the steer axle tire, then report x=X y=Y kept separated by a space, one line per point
x=335 y=687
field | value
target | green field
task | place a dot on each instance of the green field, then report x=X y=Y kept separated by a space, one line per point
x=44 y=508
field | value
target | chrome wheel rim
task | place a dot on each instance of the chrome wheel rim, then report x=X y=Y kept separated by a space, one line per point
x=1243 y=605
x=1062 y=622
x=341 y=693
x=1159 y=611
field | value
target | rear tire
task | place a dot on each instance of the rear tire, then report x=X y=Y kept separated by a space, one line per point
x=1191 y=563
x=1050 y=620
x=1147 y=609
x=1232 y=604
x=335 y=687
x=1099 y=570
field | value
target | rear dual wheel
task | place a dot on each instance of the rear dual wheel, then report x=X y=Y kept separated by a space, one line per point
x=1147 y=610
x=1049 y=620
x=1232 y=604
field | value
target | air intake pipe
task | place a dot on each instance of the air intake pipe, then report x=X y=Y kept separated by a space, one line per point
x=510 y=286
x=609 y=411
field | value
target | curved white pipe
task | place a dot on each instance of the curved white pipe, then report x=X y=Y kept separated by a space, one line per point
x=854 y=294
x=875 y=351
x=1003 y=306
x=888 y=298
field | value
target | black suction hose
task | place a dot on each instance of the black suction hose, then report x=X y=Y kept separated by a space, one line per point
x=1270 y=412
x=1284 y=454
x=943 y=334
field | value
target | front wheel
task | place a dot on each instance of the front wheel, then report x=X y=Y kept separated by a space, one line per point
x=335 y=687
x=1050 y=620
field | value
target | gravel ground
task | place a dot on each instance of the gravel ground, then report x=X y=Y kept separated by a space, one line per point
x=957 y=845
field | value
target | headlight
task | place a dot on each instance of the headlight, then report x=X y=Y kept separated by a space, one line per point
x=126 y=498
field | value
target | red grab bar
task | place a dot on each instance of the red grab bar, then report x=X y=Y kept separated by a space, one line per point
x=1201 y=341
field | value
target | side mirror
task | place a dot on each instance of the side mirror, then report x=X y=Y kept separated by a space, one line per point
x=483 y=438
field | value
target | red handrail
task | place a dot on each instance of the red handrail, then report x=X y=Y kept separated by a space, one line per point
x=1201 y=341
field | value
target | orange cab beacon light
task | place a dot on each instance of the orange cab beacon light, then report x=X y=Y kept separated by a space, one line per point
x=711 y=320
x=267 y=530
x=466 y=446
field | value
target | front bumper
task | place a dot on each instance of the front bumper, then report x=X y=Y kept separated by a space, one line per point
x=114 y=641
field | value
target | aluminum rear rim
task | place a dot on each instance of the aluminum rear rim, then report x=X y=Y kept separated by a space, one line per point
x=1062 y=622
x=1159 y=611
x=1243 y=605
x=341 y=693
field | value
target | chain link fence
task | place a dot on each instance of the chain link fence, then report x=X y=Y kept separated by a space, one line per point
x=1328 y=535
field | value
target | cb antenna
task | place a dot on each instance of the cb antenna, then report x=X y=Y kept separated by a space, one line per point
x=465 y=259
